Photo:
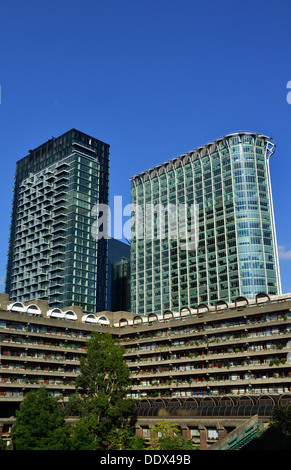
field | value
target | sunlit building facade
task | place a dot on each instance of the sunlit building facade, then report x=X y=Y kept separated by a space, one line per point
x=234 y=251
x=210 y=370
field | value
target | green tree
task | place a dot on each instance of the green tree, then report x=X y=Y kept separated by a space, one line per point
x=40 y=424
x=3 y=445
x=278 y=434
x=100 y=401
x=126 y=439
x=281 y=419
x=167 y=436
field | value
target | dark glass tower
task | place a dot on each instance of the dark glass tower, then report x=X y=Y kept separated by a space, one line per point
x=52 y=253
x=118 y=288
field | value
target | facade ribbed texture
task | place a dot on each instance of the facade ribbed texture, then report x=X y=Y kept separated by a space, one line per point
x=228 y=184
x=52 y=254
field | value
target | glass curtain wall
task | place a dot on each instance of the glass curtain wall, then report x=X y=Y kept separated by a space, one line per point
x=52 y=253
x=235 y=253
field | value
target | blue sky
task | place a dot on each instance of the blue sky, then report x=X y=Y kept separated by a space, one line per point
x=153 y=78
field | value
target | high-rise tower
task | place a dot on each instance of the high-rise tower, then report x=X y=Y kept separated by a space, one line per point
x=235 y=253
x=52 y=253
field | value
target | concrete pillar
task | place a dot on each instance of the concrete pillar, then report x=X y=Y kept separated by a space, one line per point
x=221 y=433
x=186 y=433
x=4 y=301
x=203 y=438
x=138 y=431
x=77 y=309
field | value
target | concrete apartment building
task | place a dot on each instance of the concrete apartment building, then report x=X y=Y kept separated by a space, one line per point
x=215 y=371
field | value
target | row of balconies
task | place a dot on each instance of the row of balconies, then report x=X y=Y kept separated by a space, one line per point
x=35 y=330
x=223 y=346
x=33 y=348
x=208 y=368
x=260 y=360
x=39 y=356
x=23 y=349
x=25 y=243
x=223 y=356
x=203 y=353
x=179 y=393
x=18 y=346
x=36 y=369
x=22 y=341
x=257 y=361
x=33 y=364
x=30 y=217
x=214 y=381
x=257 y=389
x=234 y=324
x=232 y=338
x=211 y=382
x=35 y=266
x=7 y=390
x=15 y=381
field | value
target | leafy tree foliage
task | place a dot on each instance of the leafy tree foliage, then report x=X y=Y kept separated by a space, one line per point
x=167 y=436
x=3 y=445
x=40 y=424
x=281 y=419
x=278 y=434
x=100 y=401
x=125 y=439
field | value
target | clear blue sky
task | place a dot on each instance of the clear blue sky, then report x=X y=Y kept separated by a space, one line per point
x=153 y=78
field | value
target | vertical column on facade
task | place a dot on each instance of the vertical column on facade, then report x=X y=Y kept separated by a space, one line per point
x=269 y=150
x=190 y=195
x=138 y=430
x=215 y=235
x=185 y=232
x=61 y=225
x=221 y=431
x=144 y=246
x=196 y=228
x=134 y=238
x=152 y=309
x=172 y=240
x=224 y=221
x=204 y=221
x=186 y=432
x=140 y=229
x=162 y=241
x=235 y=217
x=261 y=219
x=203 y=437
x=246 y=197
x=169 y=238
x=157 y=240
x=176 y=166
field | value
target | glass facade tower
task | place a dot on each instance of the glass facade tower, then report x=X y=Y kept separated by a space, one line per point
x=235 y=252
x=52 y=253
